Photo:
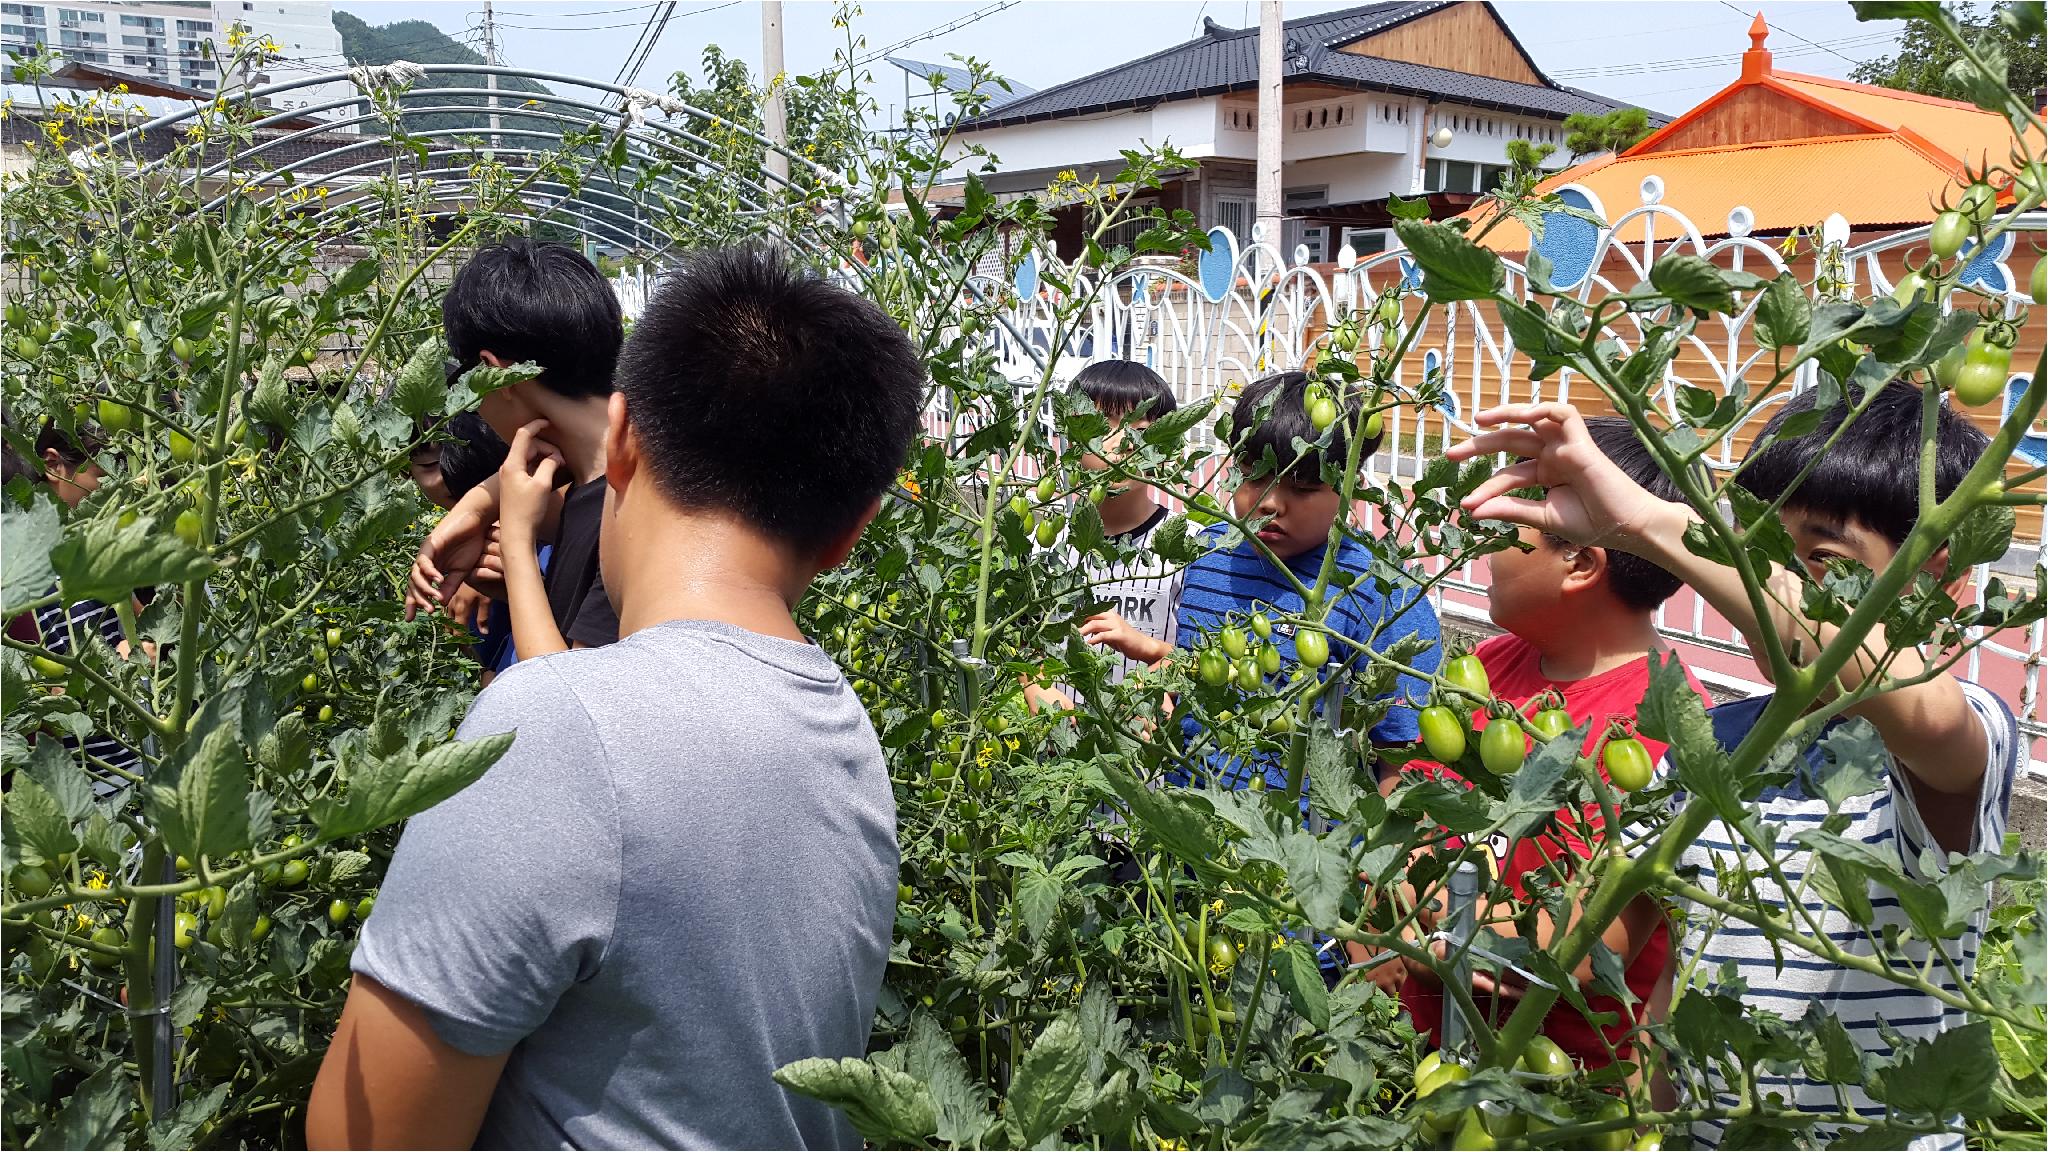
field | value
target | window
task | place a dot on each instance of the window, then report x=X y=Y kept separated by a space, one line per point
x=1451 y=176
x=29 y=13
x=192 y=26
x=1294 y=199
x=1490 y=176
x=1316 y=240
x=1237 y=213
x=1367 y=241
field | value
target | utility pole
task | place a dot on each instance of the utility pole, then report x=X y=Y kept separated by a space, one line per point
x=774 y=116
x=490 y=31
x=1271 y=34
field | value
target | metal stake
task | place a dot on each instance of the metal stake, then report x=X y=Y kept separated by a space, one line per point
x=1463 y=896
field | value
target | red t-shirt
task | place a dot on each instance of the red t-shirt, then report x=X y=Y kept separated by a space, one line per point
x=1514 y=669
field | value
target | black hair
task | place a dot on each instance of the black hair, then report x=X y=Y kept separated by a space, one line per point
x=760 y=390
x=1870 y=476
x=1285 y=422
x=1634 y=581
x=471 y=454
x=544 y=303
x=1120 y=387
x=75 y=449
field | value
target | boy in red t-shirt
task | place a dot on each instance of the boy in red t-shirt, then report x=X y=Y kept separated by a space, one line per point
x=1579 y=624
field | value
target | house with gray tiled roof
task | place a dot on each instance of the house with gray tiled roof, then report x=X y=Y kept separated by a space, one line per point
x=1367 y=91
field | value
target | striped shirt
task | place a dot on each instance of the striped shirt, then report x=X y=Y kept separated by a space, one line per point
x=1139 y=586
x=61 y=629
x=1240 y=580
x=1885 y=820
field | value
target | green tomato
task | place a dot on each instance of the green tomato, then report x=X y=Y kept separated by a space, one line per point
x=311 y=683
x=1322 y=413
x=2037 y=286
x=26 y=347
x=1047 y=488
x=1269 y=659
x=101 y=261
x=1552 y=722
x=1986 y=368
x=1222 y=955
x=33 y=882
x=182 y=448
x=1468 y=673
x=1247 y=674
x=48 y=668
x=1234 y=642
x=116 y=416
x=1627 y=763
x=1375 y=423
x=183 y=930
x=1020 y=507
x=326 y=714
x=216 y=900
x=1439 y=1078
x=188 y=527
x=1949 y=369
x=1047 y=533
x=1471 y=1132
x=1312 y=648
x=1978 y=203
x=1650 y=1142
x=2030 y=185
x=182 y=348
x=292 y=874
x=1910 y=287
x=106 y=938
x=47 y=277
x=1213 y=667
x=1502 y=746
x=905 y=893
x=1262 y=627
x=957 y=842
x=338 y=911
x=1544 y=1057
x=1946 y=237
x=259 y=929
x=1615 y=1139
x=1098 y=493
x=1443 y=734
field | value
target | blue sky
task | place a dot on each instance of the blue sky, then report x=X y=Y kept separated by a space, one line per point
x=1662 y=54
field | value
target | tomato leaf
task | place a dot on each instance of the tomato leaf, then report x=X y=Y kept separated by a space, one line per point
x=1296 y=968
x=26 y=539
x=958 y=1100
x=34 y=822
x=199 y=796
x=1332 y=773
x=422 y=385
x=1983 y=537
x=885 y=1106
x=1050 y=1090
x=1698 y=283
x=1943 y=1076
x=1170 y=818
x=53 y=766
x=1537 y=790
x=1784 y=315
x=95 y=1114
x=1320 y=876
x=1038 y=898
x=385 y=790
x=1453 y=267
x=1672 y=713
x=101 y=560
x=1166 y=431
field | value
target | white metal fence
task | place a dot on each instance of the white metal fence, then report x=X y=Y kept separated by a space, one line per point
x=1246 y=312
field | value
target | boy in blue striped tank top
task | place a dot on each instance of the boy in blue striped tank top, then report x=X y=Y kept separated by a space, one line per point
x=1953 y=747
x=1283 y=493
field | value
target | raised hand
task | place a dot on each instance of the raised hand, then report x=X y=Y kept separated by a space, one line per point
x=1586 y=499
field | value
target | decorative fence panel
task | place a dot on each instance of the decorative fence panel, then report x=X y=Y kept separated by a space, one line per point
x=1244 y=312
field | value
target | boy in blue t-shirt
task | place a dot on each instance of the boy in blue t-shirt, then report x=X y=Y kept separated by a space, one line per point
x=1285 y=498
x=1953 y=746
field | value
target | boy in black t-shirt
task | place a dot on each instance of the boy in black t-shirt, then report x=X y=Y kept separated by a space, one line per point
x=543 y=303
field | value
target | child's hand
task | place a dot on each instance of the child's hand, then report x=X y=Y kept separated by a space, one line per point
x=445 y=560
x=526 y=484
x=1586 y=498
x=1112 y=630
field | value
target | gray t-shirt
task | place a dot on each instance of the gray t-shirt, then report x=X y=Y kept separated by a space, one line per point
x=681 y=877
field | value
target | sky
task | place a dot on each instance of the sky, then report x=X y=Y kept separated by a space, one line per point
x=1664 y=55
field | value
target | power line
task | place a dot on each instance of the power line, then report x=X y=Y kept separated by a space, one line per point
x=1684 y=63
x=574 y=15
x=1795 y=35
x=941 y=30
x=629 y=71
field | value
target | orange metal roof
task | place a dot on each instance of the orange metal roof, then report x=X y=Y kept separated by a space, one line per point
x=1962 y=130
x=1888 y=179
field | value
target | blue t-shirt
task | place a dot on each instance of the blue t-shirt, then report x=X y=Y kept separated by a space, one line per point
x=494 y=649
x=1241 y=580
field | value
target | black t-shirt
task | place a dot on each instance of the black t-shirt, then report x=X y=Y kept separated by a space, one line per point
x=575 y=587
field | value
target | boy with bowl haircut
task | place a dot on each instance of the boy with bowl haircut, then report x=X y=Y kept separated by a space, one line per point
x=1283 y=491
x=1953 y=747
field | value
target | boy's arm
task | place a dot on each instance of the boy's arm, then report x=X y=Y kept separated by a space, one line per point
x=388 y=1081
x=1930 y=728
x=527 y=497
x=1112 y=630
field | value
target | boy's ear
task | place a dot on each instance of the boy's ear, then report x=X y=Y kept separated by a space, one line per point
x=1587 y=568
x=53 y=462
x=621 y=448
x=835 y=553
x=1938 y=564
x=491 y=358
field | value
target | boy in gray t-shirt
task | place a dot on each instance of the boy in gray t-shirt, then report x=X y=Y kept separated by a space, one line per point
x=682 y=874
